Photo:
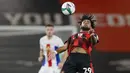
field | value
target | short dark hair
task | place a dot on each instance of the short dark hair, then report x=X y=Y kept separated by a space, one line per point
x=49 y=25
x=88 y=17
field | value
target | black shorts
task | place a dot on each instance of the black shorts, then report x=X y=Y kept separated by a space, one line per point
x=77 y=62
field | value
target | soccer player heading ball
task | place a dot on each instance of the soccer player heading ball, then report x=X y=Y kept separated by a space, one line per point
x=79 y=47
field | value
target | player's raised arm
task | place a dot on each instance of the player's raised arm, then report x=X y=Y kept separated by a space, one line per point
x=62 y=48
x=94 y=39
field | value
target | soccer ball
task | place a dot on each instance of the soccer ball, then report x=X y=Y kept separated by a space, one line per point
x=68 y=8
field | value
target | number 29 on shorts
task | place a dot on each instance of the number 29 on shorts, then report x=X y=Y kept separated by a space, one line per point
x=87 y=70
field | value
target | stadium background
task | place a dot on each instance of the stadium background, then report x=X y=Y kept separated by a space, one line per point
x=19 y=52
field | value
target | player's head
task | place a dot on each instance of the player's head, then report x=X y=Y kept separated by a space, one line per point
x=49 y=28
x=87 y=22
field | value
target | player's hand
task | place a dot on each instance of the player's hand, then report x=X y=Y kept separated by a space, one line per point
x=60 y=65
x=91 y=30
x=40 y=59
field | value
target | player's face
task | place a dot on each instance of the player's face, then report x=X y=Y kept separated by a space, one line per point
x=49 y=31
x=86 y=23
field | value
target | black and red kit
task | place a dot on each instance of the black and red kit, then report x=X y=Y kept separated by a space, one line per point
x=79 y=62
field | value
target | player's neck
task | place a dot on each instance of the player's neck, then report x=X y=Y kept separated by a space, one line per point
x=83 y=31
x=49 y=37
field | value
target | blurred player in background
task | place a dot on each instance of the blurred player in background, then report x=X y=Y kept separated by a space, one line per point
x=48 y=43
x=79 y=47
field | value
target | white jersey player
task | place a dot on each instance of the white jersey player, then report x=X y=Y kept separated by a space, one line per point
x=49 y=43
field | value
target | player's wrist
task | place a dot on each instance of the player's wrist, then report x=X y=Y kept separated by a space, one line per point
x=55 y=52
x=41 y=56
x=62 y=62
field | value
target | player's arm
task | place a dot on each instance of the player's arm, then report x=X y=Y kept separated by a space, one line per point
x=63 y=59
x=41 y=55
x=64 y=56
x=94 y=39
x=62 y=48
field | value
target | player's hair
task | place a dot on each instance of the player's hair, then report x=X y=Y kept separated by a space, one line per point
x=88 y=17
x=49 y=25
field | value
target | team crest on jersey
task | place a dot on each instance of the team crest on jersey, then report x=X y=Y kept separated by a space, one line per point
x=48 y=47
x=81 y=35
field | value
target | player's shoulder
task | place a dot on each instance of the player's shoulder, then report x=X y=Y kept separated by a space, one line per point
x=79 y=34
x=56 y=37
x=43 y=38
x=74 y=34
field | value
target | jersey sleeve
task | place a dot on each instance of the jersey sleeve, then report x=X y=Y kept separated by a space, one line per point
x=94 y=39
x=60 y=42
x=40 y=42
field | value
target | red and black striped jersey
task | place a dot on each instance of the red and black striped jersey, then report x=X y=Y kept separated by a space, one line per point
x=81 y=39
